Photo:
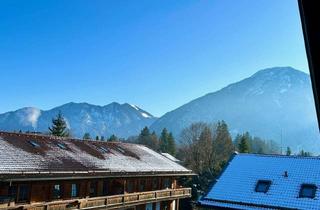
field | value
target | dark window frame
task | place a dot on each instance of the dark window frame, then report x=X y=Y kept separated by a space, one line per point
x=130 y=186
x=167 y=183
x=309 y=14
x=142 y=185
x=93 y=188
x=267 y=184
x=62 y=146
x=77 y=190
x=155 y=183
x=56 y=196
x=26 y=195
x=313 y=187
x=34 y=144
x=105 y=187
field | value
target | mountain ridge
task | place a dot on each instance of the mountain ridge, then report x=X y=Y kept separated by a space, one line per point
x=270 y=102
x=123 y=120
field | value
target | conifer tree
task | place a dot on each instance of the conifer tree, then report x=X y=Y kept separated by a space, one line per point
x=113 y=138
x=59 y=126
x=244 y=144
x=148 y=139
x=86 y=136
x=288 y=152
x=97 y=138
x=222 y=143
x=163 y=143
x=171 y=145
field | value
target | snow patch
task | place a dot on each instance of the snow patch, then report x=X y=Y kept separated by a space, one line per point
x=134 y=106
x=145 y=115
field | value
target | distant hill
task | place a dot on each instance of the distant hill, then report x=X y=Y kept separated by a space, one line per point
x=275 y=103
x=122 y=120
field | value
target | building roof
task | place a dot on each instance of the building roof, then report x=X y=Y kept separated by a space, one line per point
x=170 y=157
x=30 y=155
x=235 y=188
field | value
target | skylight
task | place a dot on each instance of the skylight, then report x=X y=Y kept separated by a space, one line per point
x=263 y=186
x=62 y=146
x=308 y=191
x=33 y=143
x=103 y=149
x=120 y=150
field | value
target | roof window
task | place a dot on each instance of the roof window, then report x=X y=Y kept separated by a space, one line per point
x=308 y=191
x=62 y=146
x=33 y=143
x=121 y=150
x=263 y=186
x=103 y=149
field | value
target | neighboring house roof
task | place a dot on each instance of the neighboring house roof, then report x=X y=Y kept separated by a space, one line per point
x=236 y=186
x=170 y=157
x=30 y=155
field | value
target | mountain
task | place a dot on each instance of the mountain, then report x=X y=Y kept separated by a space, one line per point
x=122 y=120
x=274 y=103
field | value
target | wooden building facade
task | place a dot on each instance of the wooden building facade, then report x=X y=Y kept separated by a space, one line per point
x=42 y=172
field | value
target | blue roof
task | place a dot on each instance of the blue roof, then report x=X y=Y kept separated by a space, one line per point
x=235 y=188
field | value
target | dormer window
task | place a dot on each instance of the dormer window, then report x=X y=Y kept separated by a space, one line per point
x=263 y=186
x=33 y=143
x=308 y=191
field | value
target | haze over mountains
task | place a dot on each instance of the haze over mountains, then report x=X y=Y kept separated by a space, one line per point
x=275 y=103
x=122 y=120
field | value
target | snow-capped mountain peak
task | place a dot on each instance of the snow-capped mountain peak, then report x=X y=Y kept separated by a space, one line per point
x=119 y=119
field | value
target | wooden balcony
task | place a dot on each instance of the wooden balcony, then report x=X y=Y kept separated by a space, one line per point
x=108 y=202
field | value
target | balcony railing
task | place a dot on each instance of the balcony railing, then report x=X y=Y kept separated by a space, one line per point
x=106 y=202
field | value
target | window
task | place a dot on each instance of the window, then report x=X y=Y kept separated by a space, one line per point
x=154 y=183
x=62 y=146
x=263 y=186
x=74 y=190
x=105 y=187
x=24 y=193
x=57 y=191
x=12 y=192
x=130 y=186
x=308 y=191
x=121 y=150
x=167 y=183
x=142 y=185
x=33 y=143
x=103 y=149
x=93 y=188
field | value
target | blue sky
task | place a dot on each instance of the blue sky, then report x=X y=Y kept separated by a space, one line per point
x=156 y=54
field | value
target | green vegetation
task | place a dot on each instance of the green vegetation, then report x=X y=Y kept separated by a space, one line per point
x=59 y=126
x=86 y=136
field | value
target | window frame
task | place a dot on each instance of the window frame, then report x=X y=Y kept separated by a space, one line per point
x=264 y=182
x=27 y=193
x=77 y=187
x=313 y=187
x=54 y=196
x=62 y=146
x=34 y=144
x=93 y=185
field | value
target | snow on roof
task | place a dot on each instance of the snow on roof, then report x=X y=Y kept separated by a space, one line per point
x=170 y=157
x=235 y=188
x=18 y=155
